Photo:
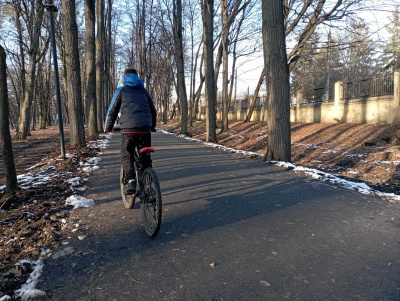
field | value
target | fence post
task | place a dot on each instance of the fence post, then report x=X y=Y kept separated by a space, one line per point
x=338 y=92
x=396 y=88
x=299 y=100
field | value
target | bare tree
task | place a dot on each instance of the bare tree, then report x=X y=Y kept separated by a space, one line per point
x=74 y=87
x=277 y=71
x=228 y=15
x=303 y=17
x=5 y=137
x=177 y=31
x=207 y=7
x=90 y=7
x=35 y=32
x=100 y=64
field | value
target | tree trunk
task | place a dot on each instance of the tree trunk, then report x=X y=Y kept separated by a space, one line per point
x=75 y=106
x=276 y=66
x=90 y=7
x=25 y=111
x=180 y=64
x=22 y=71
x=5 y=137
x=99 y=63
x=208 y=29
x=109 y=48
x=225 y=108
x=254 y=100
x=165 y=108
x=34 y=107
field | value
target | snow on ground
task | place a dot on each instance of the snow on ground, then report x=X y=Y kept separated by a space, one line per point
x=28 y=290
x=311 y=172
x=79 y=201
x=100 y=143
x=47 y=175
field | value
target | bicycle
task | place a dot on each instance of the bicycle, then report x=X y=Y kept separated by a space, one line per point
x=147 y=190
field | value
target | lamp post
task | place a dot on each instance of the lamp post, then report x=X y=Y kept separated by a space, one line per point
x=52 y=8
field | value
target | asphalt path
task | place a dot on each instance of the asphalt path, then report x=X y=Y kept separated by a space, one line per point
x=233 y=228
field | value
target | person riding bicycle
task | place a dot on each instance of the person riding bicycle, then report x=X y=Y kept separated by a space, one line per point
x=137 y=119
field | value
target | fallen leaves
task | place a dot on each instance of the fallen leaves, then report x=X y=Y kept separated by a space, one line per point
x=134 y=280
x=265 y=283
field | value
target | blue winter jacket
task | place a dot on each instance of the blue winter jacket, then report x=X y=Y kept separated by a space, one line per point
x=138 y=113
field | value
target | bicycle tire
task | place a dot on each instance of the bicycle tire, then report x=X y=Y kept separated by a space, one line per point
x=151 y=203
x=127 y=199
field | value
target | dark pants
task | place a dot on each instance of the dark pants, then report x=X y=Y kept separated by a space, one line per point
x=129 y=142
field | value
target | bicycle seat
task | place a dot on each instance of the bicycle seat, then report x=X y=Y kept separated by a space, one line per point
x=147 y=149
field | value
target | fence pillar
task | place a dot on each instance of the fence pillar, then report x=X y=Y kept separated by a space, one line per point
x=396 y=88
x=299 y=98
x=338 y=92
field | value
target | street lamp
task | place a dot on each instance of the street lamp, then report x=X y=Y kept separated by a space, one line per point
x=52 y=8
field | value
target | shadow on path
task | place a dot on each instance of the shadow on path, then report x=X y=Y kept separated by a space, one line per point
x=233 y=229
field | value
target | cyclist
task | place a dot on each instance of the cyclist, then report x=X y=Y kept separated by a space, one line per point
x=137 y=118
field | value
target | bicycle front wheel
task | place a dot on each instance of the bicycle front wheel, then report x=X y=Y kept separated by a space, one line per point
x=151 y=204
x=127 y=199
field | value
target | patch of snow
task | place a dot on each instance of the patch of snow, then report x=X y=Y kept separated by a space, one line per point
x=74 y=181
x=357 y=155
x=38 y=178
x=34 y=166
x=82 y=189
x=79 y=201
x=333 y=179
x=93 y=160
x=28 y=290
x=100 y=143
x=90 y=168
x=330 y=152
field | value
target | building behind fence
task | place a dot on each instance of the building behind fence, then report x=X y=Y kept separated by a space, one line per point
x=374 y=100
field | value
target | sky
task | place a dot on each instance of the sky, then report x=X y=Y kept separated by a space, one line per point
x=377 y=15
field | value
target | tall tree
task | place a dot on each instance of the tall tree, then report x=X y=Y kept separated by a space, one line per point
x=391 y=57
x=99 y=63
x=303 y=16
x=207 y=7
x=177 y=31
x=277 y=71
x=74 y=87
x=90 y=7
x=5 y=137
x=228 y=15
x=35 y=33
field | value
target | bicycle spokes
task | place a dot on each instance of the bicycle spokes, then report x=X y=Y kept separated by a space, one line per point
x=151 y=202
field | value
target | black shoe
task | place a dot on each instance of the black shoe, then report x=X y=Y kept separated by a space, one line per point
x=130 y=188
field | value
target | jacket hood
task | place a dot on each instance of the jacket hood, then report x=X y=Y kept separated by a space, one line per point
x=134 y=81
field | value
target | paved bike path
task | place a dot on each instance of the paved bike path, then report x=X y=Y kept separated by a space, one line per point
x=233 y=229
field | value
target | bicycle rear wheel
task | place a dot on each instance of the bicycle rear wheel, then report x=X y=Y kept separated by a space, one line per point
x=127 y=199
x=151 y=203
